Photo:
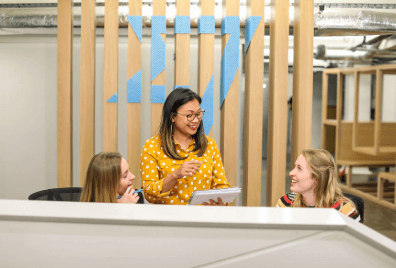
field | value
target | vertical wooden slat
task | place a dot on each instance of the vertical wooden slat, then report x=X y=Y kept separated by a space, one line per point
x=378 y=110
x=254 y=77
x=302 y=77
x=277 y=102
x=349 y=177
x=340 y=90
x=110 y=75
x=64 y=92
x=134 y=109
x=87 y=95
x=325 y=88
x=206 y=52
x=229 y=109
x=380 y=188
x=182 y=48
x=356 y=111
x=159 y=9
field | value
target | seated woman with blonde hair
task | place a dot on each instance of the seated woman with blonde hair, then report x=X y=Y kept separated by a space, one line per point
x=314 y=184
x=109 y=180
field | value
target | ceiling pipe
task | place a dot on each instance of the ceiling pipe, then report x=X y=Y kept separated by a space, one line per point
x=330 y=22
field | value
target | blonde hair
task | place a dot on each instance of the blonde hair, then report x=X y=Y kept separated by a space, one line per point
x=103 y=178
x=328 y=192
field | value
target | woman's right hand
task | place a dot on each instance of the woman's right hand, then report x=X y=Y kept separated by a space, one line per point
x=188 y=168
x=129 y=197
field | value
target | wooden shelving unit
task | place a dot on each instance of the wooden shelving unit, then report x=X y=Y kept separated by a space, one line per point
x=364 y=144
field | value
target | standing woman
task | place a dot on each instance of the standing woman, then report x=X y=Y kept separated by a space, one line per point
x=109 y=180
x=314 y=185
x=181 y=159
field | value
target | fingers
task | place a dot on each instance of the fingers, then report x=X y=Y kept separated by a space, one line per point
x=129 y=190
x=220 y=202
x=212 y=202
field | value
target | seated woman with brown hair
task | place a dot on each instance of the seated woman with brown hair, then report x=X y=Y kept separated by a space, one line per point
x=109 y=180
x=314 y=184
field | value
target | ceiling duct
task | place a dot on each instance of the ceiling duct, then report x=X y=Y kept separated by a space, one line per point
x=338 y=22
x=330 y=22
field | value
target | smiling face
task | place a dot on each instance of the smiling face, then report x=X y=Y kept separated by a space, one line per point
x=126 y=179
x=181 y=124
x=302 y=181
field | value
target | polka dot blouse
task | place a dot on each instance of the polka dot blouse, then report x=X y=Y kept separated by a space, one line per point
x=155 y=166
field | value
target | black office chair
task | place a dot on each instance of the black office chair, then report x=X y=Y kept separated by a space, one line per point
x=359 y=203
x=58 y=194
x=66 y=194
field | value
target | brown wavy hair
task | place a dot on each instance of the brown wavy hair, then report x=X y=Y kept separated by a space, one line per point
x=173 y=102
x=103 y=178
x=328 y=191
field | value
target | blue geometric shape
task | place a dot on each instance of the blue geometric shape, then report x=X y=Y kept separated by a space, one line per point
x=251 y=26
x=113 y=98
x=158 y=27
x=182 y=24
x=230 y=57
x=207 y=105
x=134 y=88
x=181 y=86
x=206 y=24
x=157 y=94
x=136 y=24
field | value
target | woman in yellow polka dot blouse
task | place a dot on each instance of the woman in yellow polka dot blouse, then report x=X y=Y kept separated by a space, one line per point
x=181 y=159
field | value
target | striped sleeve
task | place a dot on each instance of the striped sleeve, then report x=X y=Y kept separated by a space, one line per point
x=285 y=201
x=347 y=209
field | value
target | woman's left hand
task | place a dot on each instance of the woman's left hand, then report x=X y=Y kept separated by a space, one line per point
x=213 y=203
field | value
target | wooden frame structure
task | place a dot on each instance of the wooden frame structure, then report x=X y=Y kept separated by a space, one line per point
x=386 y=197
x=345 y=139
x=388 y=143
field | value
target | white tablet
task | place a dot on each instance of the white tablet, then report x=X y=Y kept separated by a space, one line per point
x=201 y=196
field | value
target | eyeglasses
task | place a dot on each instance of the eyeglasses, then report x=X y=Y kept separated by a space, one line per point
x=191 y=117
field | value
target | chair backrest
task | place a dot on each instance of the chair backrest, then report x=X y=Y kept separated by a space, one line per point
x=359 y=203
x=66 y=194
x=58 y=194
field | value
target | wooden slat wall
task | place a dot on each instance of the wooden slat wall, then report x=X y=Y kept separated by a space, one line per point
x=87 y=95
x=254 y=77
x=206 y=52
x=159 y=9
x=229 y=110
x=277 y=103
x=110 y=75
x=182 y=48
x=302 y=77
x=134 y=109
x=64 y=92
